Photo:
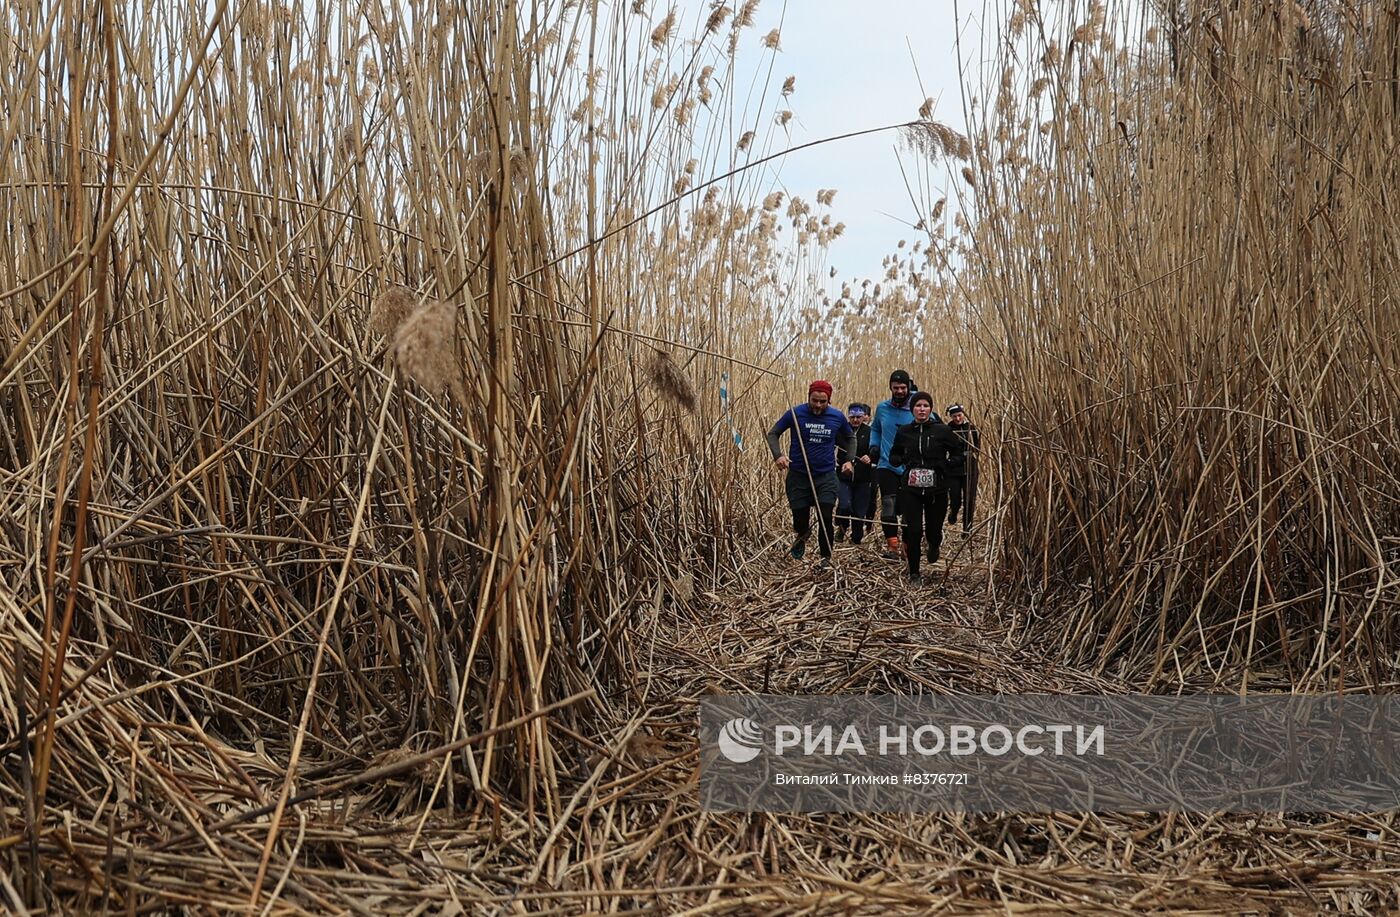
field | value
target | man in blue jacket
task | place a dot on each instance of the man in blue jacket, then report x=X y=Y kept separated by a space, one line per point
x=817 y=430
x=890 y=415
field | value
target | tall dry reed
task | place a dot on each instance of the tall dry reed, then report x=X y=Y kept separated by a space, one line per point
x=242 y=550
x=1184 y=263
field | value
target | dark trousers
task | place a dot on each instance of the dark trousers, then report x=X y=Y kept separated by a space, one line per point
x=802 y=525
x=970 y=490
x=890 y=484
x=853 y=507
x=962 y=494
x=922 y=508
x=955 y=497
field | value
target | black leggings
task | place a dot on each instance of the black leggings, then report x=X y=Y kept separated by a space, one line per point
x=802 y=525
x=922 y=507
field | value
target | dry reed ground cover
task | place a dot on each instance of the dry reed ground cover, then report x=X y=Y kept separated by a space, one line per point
x=313 y=606
x=634 y=839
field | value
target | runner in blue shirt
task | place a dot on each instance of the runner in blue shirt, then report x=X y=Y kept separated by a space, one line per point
x=817 y=430
x=890 y=415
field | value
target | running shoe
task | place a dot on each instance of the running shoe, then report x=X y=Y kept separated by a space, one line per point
x=799 y=548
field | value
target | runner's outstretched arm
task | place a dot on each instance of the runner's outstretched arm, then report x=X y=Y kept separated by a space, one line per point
x=775 y=435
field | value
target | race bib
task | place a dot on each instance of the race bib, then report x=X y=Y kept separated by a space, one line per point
x=922 y=477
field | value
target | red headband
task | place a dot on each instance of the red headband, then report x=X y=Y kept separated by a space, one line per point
x=821 y=385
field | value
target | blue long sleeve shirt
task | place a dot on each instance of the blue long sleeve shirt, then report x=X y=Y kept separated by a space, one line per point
x=888 y=418
x=814 y=438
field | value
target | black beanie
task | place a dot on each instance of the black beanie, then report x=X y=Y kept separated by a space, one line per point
x=900 y=375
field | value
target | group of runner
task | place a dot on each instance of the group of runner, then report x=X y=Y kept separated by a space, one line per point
x=905 y=460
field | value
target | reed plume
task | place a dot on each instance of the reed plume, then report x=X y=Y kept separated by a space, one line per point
x=934 y=139
x=425 y=347
x=670 y=380
x=390 y=309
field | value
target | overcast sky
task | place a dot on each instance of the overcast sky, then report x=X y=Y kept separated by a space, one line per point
x=860 y=64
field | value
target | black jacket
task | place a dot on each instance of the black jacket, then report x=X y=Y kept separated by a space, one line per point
x=863 y=472
x=972 y=441
x=927 y=445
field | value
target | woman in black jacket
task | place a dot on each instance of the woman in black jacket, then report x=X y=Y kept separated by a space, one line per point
x=926 y=448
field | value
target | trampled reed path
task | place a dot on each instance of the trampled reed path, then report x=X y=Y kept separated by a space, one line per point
x=370 y=521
